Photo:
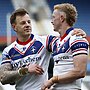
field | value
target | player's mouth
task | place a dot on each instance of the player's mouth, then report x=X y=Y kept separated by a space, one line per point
x=27 y=30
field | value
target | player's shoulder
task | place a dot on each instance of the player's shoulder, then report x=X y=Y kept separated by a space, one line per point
x=75 y=38
x=6 y=49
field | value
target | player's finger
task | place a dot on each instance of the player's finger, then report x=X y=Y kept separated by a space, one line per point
x=40 y=71
x=40 y=68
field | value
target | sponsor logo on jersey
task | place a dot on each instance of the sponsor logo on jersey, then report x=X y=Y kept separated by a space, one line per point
x=25 y=61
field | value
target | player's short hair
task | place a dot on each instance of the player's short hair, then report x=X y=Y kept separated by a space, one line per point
x=70 y=11
x=18 y=12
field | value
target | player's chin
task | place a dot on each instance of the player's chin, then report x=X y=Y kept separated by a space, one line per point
x=27 y=33
x=55 y=30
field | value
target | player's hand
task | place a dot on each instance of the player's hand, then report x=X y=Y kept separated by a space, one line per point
x=79 y=32
x=47 y=85
x=48 y=89
x=34 y=68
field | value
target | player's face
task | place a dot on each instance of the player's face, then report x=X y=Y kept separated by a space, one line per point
x=23 y=25
x=56 y=20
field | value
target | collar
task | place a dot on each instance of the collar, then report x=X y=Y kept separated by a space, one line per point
x=26 y=42
x=66 y=33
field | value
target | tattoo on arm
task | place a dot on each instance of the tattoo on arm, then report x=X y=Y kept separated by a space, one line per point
x=7 y=75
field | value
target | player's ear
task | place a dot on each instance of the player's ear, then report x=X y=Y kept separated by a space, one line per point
x=62 y=17
x=14 y=26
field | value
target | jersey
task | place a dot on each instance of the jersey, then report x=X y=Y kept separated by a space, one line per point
x=36 y=50
x=66 y=48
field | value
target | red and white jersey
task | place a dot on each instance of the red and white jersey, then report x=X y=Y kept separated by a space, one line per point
x=67 y=47
x=36 y=50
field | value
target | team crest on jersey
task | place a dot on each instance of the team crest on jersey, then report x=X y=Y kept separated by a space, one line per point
x=63 y=48
x=33 y=49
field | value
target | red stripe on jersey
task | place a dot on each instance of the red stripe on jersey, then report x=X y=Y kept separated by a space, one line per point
x=63 y=37
x=78 y=41
x=18 y=51
x=47 y=42
x=40 y=49
x=80 y=49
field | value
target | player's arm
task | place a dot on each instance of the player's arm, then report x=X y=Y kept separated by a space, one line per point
x=79 y=71
x=7 y=75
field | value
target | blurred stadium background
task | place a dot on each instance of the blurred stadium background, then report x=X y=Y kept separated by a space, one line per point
x=40 y=11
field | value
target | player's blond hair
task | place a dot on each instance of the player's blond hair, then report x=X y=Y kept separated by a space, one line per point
x=70 y=10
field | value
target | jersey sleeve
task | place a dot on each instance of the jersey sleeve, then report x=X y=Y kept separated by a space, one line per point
x=5 y=57
x=79 y=45
x=50 y=42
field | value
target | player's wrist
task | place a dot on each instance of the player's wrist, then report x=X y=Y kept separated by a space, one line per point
x=22 y=71
x=55 y=79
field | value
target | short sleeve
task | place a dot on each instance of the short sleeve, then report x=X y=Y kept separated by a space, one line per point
x=5 y=57
x=50 y=42
x=79 y=45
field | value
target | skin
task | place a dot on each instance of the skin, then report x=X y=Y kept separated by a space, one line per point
x=7 y=75
x=80 y=61
x=22 y=27
x=58 y=18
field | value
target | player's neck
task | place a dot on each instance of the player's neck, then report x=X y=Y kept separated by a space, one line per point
x=23 y=39
x=64 y=29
